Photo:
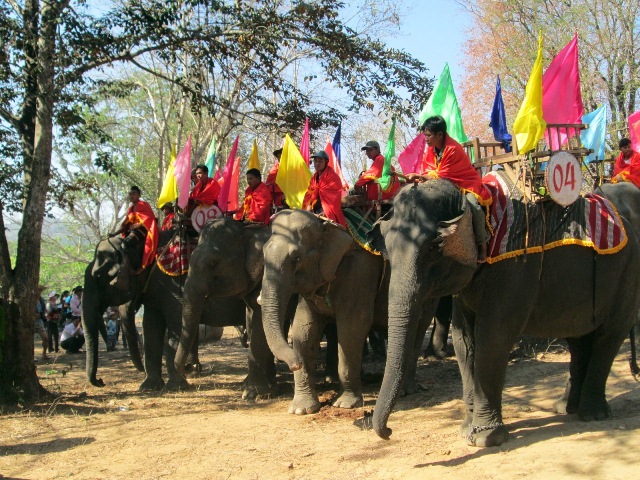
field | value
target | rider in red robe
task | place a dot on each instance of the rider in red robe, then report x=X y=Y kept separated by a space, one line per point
x=257 y=200
x=627 y=166
x=324 y=195
x=140 y=224
x=276 y=193
x=167 y=223
x=206 y=189
x=369 y=177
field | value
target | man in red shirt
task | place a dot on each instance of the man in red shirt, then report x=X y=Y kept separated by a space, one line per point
x=367 y=179
x=445 y=158
x=627 y=166
x=140 y=225
x=276 y=194
x=324 y=195
x=205 y=191
x=257 y=200
x=167 y=223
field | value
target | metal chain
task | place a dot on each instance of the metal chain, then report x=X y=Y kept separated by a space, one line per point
x=482 y=428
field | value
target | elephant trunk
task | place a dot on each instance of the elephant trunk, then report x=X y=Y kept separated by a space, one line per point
x=404 y=313
x=91 y=323
x=193 y=304
x=274 y=301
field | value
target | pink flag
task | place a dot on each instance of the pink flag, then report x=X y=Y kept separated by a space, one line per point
x=182 y=173
x=233 y=200
x=335 y=165
x=634 y=130
x=304 y=144
x=227 y=176
x=411 y=157
x=561 y=97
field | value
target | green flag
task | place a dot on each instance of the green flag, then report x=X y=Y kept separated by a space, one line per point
x=443 y=102
x=389 y=153
x=211 y=156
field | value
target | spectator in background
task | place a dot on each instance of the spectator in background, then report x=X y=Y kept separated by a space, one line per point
x=53 y=317
x=75 y=304
x=65 y=298
x=112 y=331
x=41 y=320
x=72 y=338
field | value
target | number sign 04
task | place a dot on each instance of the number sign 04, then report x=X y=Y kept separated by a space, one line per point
x=563 y=178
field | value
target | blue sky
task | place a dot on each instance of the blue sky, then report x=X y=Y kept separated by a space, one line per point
x=434 y=32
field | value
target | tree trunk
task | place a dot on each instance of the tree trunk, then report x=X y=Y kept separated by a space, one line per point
x=18 y=379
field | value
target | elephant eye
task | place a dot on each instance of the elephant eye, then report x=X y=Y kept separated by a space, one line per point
x=297 y=258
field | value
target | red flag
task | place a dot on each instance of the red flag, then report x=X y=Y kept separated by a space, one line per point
x=634 y=130
x=182 y=173
x=304 y=144
x=227 y=176
x=561 y=97
x=411 y=157
x=233 y=200
x=333 y=163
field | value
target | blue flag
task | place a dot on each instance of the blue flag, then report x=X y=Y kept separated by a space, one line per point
x=593 y=137
x=336 y=145
x=499 y=120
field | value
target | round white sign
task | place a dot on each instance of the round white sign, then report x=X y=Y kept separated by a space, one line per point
x=201 y=215
x=563 y=178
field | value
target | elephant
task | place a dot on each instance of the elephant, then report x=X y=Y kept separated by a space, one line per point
x=109 y=280
x=228 y=263
x=571 y=291
x=337 y=281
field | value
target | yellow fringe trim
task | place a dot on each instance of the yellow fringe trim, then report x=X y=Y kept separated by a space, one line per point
x=362 y=245
x=167 y=272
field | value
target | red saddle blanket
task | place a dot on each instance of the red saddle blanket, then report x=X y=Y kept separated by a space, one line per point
x=518 y=228
x=174 y=260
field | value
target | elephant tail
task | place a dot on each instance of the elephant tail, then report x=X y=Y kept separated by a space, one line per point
x=633 y=360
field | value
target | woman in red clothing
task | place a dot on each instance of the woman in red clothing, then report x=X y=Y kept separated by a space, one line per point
x=445 y=158
x=324 y=195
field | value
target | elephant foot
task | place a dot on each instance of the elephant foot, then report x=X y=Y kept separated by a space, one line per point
x=487 y=435
x=176 y=385
x=96 y=382
x=252 y=389
x=151 y=384
x=304 y=405
x=437 y=353
x=411 y=387
x=589 y=411
x=564 y=406
x=465 y=428
x=349 y=400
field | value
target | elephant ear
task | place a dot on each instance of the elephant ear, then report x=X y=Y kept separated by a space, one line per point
x=376 y=236
x=336 y=244
x=456 y=240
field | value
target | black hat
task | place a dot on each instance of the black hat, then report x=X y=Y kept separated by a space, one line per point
x=371 y=144
x=277 y=153
x=321 y=154
x=167 y=205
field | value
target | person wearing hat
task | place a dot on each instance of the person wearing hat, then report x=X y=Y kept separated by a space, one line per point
x=40 y=321
x=324 y=195
x=53 y=317
x=139 y=225
x=167 y=223
x=257 y=200
x=276 y=193
x=445 y=158
x=367 y=179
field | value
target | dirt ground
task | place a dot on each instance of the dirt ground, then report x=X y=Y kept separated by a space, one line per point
x=210 y=433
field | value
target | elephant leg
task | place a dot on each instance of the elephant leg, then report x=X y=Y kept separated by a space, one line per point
x=306 y=330
x=261 y=379
x=438 y=342
x=175 y=380
x=580 y=350
x=464 y=346
x=153 y=328
x=331 y=362
x=606 y=345
x=352 y=333
x=410 y=385
x=492 y=346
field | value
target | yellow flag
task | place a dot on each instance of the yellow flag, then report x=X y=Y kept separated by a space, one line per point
x=169 y=190
x=293 y=174
x=529 y=126
x=254 y=162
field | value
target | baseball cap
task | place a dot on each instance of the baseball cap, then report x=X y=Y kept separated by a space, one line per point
x=371 y=144
x=53 y=294
x=321 y=154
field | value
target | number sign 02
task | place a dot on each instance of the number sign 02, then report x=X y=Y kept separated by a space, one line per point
x=203 y=214
x=563 y=178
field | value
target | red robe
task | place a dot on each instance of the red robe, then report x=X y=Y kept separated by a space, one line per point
x=256 y=206
x=454 y=165
x=142 y=213
x=167 y=222
x=328 y=188
x=629 y=168
x=207 y=194
x=368 y=178
x=276 y=194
